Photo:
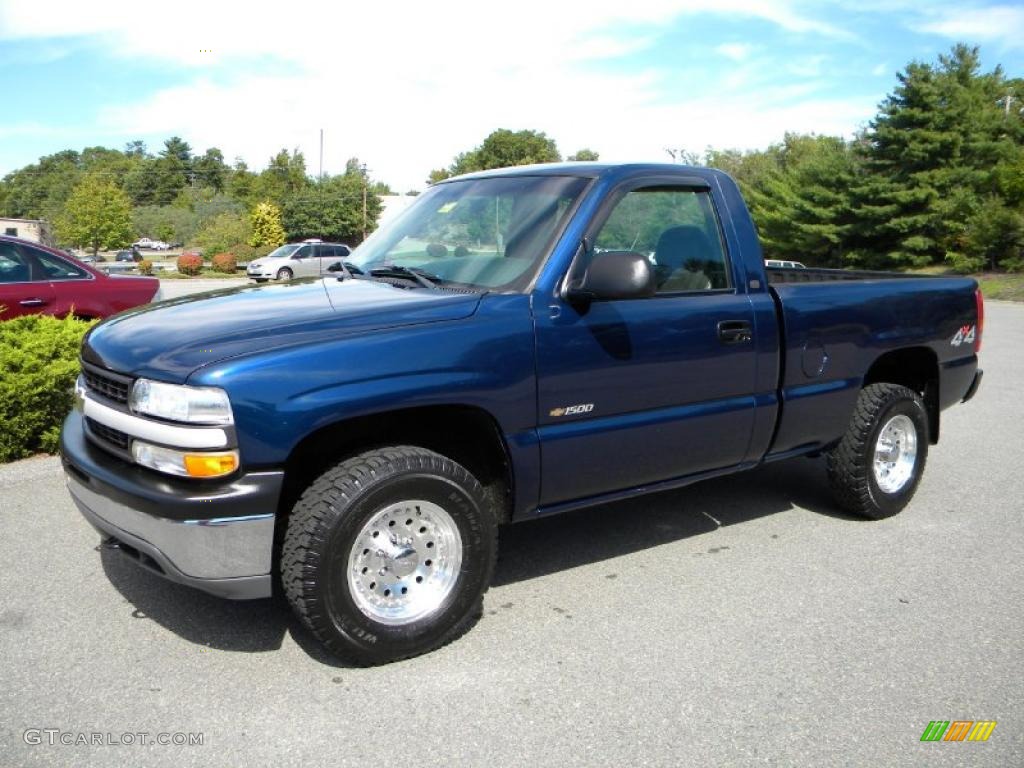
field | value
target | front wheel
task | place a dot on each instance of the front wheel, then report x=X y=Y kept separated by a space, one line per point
x=388 y=554
x=284 y=274
x=876 y=467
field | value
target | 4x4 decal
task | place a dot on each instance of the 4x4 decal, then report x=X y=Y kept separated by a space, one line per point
x=964 y=335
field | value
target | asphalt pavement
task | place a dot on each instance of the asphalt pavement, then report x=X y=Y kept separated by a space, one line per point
x=172 y=289
x=741 y=621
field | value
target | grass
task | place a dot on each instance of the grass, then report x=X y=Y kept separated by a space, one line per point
x=1000 y=285
x=1003 y=286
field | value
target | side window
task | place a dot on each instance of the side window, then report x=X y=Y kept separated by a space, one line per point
x=13 y=265
x=56 y=268
x=676 y=229
x=11 y=231
x=304 y=252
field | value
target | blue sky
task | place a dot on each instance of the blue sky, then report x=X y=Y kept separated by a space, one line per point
x=405 y=86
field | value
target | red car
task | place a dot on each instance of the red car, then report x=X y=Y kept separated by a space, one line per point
x=35 y=279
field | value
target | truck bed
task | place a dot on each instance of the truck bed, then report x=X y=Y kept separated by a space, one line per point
x=838 y=324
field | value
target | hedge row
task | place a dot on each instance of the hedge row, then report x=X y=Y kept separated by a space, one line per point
x=38 y=368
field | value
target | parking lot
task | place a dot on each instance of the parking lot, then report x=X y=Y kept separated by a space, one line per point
x=172 y=289
x=741 y=621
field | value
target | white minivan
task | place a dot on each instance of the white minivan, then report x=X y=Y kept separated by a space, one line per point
x=310 y=258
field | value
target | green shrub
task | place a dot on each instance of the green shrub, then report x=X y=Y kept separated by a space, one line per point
x=246 y=252
x=38 y=367
x=190 y=264
x=964 y=264
x=224 y=262
x=145 y=267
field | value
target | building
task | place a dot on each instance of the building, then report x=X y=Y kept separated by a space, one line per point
x=36 y=230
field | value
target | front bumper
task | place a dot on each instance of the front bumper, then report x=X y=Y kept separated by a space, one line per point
x=214 y=536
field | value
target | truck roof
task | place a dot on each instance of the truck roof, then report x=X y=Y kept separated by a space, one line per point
x=594 y=170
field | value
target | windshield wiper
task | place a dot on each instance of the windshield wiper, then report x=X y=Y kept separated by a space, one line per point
x=422 y=277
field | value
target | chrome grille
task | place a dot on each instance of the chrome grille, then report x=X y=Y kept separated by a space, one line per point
x=109 y=385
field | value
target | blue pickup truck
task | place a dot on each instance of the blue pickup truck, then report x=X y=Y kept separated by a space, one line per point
x=518 y=343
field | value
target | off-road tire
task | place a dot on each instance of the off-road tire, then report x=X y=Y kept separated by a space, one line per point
x=326 y=522
x=850 y=463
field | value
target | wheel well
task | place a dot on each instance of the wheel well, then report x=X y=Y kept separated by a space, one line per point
x=464 y=434
x=916 y=368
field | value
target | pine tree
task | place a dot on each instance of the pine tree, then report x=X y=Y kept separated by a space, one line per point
x=802 y=205
x=929 y=159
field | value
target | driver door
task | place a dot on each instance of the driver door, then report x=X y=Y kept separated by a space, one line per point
x=635 y=392
x=304 y=262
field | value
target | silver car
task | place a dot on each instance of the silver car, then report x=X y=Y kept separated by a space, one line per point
x=309 y=258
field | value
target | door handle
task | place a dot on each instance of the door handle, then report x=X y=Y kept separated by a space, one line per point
x=735 y=332
x=37 y=302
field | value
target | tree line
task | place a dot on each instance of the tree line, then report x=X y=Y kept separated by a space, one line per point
x=105 y=198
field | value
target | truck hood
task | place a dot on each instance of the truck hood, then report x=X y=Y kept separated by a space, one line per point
x=170 y=340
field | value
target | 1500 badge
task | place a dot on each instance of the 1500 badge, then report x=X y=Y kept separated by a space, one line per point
x=964 y=335
x=572 y=410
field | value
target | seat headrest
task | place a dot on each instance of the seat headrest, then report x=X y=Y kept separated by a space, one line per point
x=679 y=244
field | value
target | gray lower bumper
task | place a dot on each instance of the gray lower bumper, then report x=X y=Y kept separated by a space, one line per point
x=975 y=383
x=230 y=557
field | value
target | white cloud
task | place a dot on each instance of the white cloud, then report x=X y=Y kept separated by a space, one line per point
x=406 y=86
x=807 y=66
x=735 y=51
x=1003 y=24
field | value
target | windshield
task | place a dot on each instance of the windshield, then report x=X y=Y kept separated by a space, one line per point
x=283 y=251
x=487 y=233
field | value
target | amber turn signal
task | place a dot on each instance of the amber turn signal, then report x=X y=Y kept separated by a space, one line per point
x=210 y=464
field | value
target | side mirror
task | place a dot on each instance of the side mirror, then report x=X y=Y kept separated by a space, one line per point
x=613 y=275
x=336 y=267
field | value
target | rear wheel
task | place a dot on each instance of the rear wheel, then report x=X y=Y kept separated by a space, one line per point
x=388 y=554
x=284 y=274
x=876 y=467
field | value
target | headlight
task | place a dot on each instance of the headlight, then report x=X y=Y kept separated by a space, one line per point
x=194 y=405
x=184 y=463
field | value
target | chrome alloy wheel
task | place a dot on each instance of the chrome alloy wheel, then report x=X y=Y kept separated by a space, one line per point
x=895 y=454
x=405 y=561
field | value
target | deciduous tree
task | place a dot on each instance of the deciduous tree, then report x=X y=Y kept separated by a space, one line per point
x=266 y=226
x=96 y=215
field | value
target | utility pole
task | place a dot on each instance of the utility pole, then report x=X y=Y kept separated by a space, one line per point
x=362 y=168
